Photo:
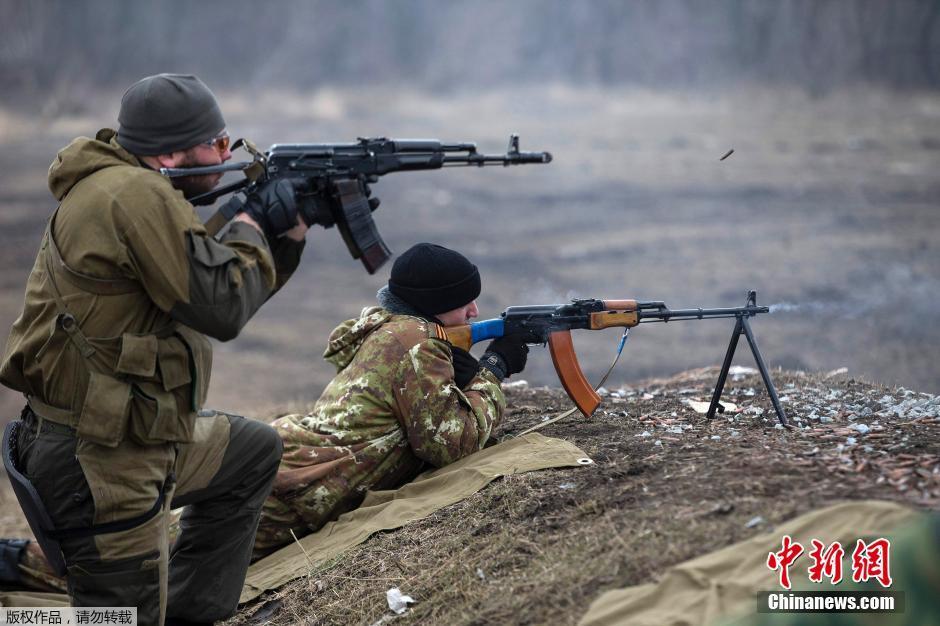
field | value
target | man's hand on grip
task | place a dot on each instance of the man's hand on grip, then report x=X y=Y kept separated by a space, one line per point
x=506 y=356
x=274 y=207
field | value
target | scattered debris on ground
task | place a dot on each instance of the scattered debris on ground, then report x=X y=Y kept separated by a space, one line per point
x=667 y=485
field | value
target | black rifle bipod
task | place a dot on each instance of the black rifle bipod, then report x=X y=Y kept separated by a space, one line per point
x=743 y=327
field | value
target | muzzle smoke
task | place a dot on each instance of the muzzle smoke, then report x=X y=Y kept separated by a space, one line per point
x=820 y=309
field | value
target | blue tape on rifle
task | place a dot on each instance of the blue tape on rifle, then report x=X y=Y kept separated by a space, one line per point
x=487 y=329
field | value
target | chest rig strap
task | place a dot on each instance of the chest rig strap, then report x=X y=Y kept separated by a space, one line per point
x=56 y=269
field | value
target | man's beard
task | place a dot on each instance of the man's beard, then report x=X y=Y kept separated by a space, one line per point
x=193 y=186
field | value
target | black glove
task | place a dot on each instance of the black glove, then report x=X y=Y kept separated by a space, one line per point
x=465 y=367
x=506 y=356
x=315 y=202
x=274 y=206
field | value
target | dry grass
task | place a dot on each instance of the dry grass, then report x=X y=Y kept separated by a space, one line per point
x=536 y=548
x=829 y=201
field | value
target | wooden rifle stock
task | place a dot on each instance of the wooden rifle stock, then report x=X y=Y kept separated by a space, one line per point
x=460 y=336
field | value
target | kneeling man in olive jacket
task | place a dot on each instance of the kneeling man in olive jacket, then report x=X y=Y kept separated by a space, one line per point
x=111 y=354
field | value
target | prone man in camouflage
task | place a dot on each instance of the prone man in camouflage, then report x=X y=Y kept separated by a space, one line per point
x=403 y=398
x=111 y=355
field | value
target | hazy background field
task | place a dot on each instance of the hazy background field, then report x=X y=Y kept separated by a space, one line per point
x=829 y=202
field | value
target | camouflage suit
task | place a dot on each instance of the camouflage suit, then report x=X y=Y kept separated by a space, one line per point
x=110 y=353
x=392 y=408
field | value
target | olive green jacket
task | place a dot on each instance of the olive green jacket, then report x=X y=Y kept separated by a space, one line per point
x=126 y=257
x=392 y=409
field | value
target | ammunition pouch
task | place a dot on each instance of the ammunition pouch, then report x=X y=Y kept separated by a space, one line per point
x=147 y=387
x=47 y=535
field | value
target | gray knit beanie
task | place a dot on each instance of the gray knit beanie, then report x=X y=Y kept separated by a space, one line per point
x=167 y=112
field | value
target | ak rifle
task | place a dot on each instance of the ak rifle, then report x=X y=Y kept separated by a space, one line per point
x=336 y=176
x=553 y=323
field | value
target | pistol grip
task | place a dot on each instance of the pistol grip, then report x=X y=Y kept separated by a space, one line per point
x=569 y=372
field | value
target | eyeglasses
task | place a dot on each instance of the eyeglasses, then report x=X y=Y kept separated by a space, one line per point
x=220 y=142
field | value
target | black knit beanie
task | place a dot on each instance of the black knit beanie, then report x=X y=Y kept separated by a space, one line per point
x=167 y=112
x=434 y=279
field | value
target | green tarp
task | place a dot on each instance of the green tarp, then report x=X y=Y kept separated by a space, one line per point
x=385 y=510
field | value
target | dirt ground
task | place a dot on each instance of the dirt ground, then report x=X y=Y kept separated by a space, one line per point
x=666 y=486
x=828 y=205
x=828 y=208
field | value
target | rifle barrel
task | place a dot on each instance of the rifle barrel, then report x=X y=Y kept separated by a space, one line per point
x=666 y=315
x=499 y=159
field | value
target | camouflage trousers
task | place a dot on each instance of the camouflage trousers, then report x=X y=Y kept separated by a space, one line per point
x=222 y=478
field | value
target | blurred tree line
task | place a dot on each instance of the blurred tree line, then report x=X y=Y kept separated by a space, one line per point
x=66 y=46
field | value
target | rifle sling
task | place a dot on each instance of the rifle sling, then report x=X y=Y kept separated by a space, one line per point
x=223 y=215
